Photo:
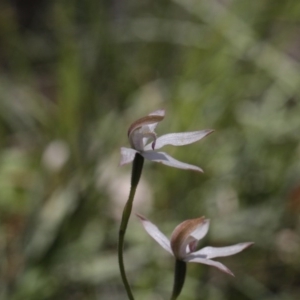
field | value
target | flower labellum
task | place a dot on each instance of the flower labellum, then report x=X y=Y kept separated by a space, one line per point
x=142 y=130
x=184 y=241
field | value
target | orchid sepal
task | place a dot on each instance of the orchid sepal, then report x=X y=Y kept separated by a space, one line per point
x=180 y=138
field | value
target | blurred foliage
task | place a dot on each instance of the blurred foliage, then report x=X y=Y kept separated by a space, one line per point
x=75 y=74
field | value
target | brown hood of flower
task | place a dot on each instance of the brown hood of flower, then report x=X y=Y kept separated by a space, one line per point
x=148 y=120
x=181 y=234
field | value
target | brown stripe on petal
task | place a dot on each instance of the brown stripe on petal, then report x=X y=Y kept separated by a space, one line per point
x=181 y=233
x=144 y=121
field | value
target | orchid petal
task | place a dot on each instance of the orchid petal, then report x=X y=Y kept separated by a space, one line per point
x=211 y=252
x=127 y=155
x=159 y=112
x=168 y=160
x=209 y=262
x=201 y=230
x=156 y=234
x=180 y=139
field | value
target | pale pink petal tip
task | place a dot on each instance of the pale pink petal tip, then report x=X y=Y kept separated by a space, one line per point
x=141 y=217
x=159 y=112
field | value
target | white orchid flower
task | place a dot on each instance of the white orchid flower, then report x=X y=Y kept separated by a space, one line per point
x=184 y=241
x=143 y=129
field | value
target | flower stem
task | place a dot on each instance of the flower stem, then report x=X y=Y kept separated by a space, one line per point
x=137 y=168
x=179 y=277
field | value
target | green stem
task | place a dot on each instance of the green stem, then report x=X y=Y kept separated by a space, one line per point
x=179 y=277
x=137 y=168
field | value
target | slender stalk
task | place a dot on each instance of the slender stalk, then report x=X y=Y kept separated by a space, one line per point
x=179 y=277
x=137 y=168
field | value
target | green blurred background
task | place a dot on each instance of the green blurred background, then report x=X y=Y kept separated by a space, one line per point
x=75 y=74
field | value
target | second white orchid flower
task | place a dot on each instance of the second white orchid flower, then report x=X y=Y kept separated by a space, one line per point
x=142 y=130
x=184 y=241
